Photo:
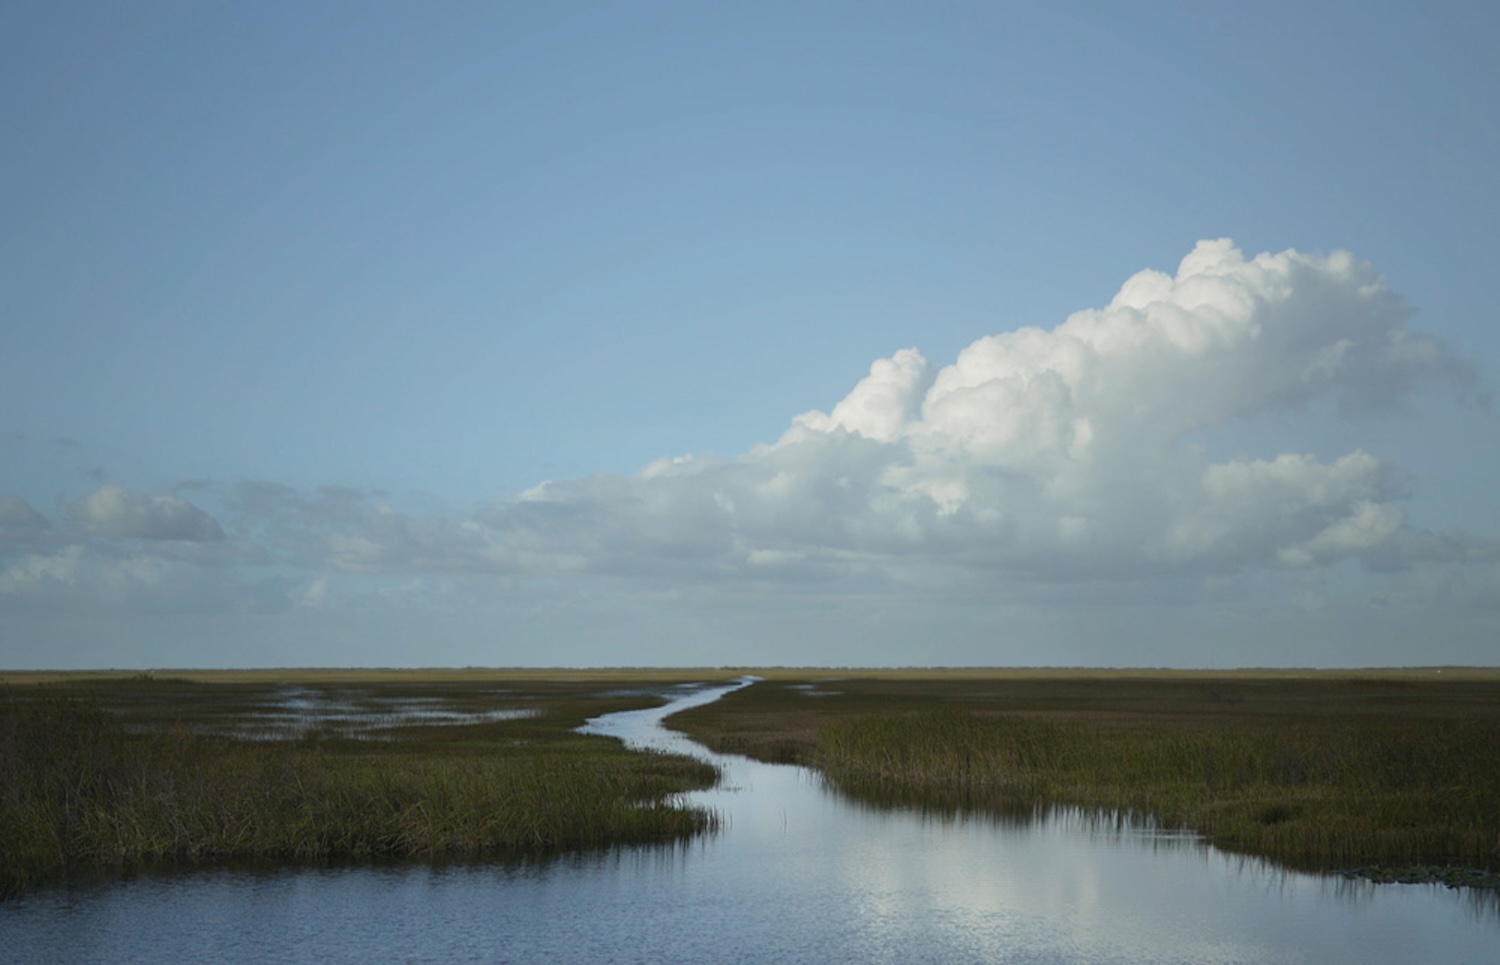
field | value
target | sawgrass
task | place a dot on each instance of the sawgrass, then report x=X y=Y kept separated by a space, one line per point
x=1318 y=771
x=121 y=772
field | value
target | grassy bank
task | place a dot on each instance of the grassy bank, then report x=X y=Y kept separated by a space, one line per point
x=1317 y=771
x=117 y=772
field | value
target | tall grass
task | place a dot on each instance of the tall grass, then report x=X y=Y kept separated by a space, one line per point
x=1311 y=794
x=1315 y=769
x=78 y=788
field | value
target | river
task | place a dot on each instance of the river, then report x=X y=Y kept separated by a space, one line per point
x=798 y=874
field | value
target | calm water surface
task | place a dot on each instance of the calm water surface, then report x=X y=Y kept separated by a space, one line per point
x=798 y=875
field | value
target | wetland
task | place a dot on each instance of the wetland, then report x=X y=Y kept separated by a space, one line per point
x=918 y=815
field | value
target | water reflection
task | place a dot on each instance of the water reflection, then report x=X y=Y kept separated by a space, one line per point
x=295 y=712
x=799 y=873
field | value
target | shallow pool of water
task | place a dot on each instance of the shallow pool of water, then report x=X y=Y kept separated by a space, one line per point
x=296 y=712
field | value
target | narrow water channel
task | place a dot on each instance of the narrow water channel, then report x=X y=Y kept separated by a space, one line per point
x=798 y=874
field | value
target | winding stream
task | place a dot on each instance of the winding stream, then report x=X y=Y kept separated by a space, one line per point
x=799 y=874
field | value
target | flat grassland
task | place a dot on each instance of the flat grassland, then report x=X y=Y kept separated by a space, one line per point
x=1388 y=773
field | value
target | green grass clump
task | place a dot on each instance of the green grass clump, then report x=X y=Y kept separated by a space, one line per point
x=1315 y=797
x=81 y=786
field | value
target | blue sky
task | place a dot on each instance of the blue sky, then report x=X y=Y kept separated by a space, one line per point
x=368 y=334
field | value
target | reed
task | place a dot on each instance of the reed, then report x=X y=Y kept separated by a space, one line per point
x=1318 y=771
x=141 y=773
x=1312 y=797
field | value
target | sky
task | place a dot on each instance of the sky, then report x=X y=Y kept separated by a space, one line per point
x=685 y=334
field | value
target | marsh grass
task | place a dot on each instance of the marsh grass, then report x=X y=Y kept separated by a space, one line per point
x=1317 y=771
x=120 y=773
x=1334 y=796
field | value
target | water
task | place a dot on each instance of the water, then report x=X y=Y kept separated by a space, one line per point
x=798 y=875
x=295 y=712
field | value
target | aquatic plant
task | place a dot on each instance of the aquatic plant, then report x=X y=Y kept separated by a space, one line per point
x=1319 y=771
x=82 y=786
x=1323 y=797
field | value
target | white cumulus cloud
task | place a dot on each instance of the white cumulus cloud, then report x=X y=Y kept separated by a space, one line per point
x=1038 y=451
x=1041 y=466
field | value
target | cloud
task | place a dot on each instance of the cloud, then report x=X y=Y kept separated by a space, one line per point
x=314 y=594
x=1058 y=453
x=1293 y=509
x=19 y=523
x=77 y=578
x=113 y=512
x=125 y=552
x=884 y=403
x=36 y=574
x=1063 y=456
x=1041 y=468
